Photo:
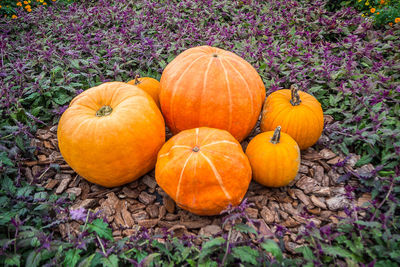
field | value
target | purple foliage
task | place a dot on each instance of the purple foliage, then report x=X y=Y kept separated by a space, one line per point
x=78 y=214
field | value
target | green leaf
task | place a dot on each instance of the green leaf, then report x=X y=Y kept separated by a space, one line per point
x=4 y=159
x=7 y=185
x=24 y=191
x=365 y=159
x=110 y=261
x=100 y=228
x=245 y=254
x=244 y=228
x=33 y=259
x=87 y=262
x=210 y=246
x=272 y=247
x=62 y=99
x=337 y=251
x=72 y=257
x=369 y=224
x=13 y=260
x=213 y=243
x=307 y=252
x=149 y=259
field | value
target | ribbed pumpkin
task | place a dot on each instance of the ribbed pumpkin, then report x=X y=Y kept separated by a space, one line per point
x=203 y=170
x=111 y=134
x=299 y=114
x=274 y=158
x=208 y=86
x=149 y=85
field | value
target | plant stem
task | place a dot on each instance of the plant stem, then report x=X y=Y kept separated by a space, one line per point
x=104 y=111
x=383 y=201
x=276 y=136
x=295 y=101
x=227 y=247
x=6 y=136
x=41 y=176
x=137 y=79
x=102 y=247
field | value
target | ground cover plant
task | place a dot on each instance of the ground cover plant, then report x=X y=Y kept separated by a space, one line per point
x=50 y=55
x=381 y=12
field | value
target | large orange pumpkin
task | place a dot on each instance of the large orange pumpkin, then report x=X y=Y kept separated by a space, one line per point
x=111 y=134
x=149 y=85
x=203 y=170
x=299 y=114
x=208 y=86
x=274 y=158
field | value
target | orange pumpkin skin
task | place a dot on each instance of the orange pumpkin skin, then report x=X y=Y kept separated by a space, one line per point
x=303 y=122
x=273 y=165
x=115 y=149
x=203 y=170
x=208 y=86
x=150 y=86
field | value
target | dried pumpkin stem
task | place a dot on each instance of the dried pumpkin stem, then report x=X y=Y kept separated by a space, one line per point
x=295 y=101
x=104 y=111
x=137 y=79
x=196 y=149
x=277 y=135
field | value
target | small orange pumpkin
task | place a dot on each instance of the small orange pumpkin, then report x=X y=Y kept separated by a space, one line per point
x=211 y=87
x=149 y=85
x=274 y=158
x=110 y=134
x=299 y=114
x=203 y=170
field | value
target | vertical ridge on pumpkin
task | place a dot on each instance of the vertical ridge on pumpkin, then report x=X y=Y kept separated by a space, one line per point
x=228 y=86
x=203 y=89
x=180 y=177
x=217 y=175
x=197 y=137
x=249 y=127
x=171 y=106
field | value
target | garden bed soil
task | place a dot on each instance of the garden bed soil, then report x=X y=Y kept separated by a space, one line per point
x=317 y=195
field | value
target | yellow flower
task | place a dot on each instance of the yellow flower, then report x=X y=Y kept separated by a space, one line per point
x=377 y=13
x=362 y=15
x=29 y=10
x=19 y=4
x=25 y=2
x=382 y=2
x=367 y=3
x=373 y=10
x=28 y=7
x=0 y=6
x=390 y=24
x=44 y=3
x=397 y=20
x=14 y=17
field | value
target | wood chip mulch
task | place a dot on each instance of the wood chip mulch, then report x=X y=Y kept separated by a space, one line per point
x=316 y=194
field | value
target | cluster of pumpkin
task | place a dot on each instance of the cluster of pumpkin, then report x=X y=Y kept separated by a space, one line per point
x=211 y=100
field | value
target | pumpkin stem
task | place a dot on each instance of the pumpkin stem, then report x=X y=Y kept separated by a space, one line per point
x=295 y=101
x=137 y=79
x=277 y=135
x=196 y=149
x=104 y=111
